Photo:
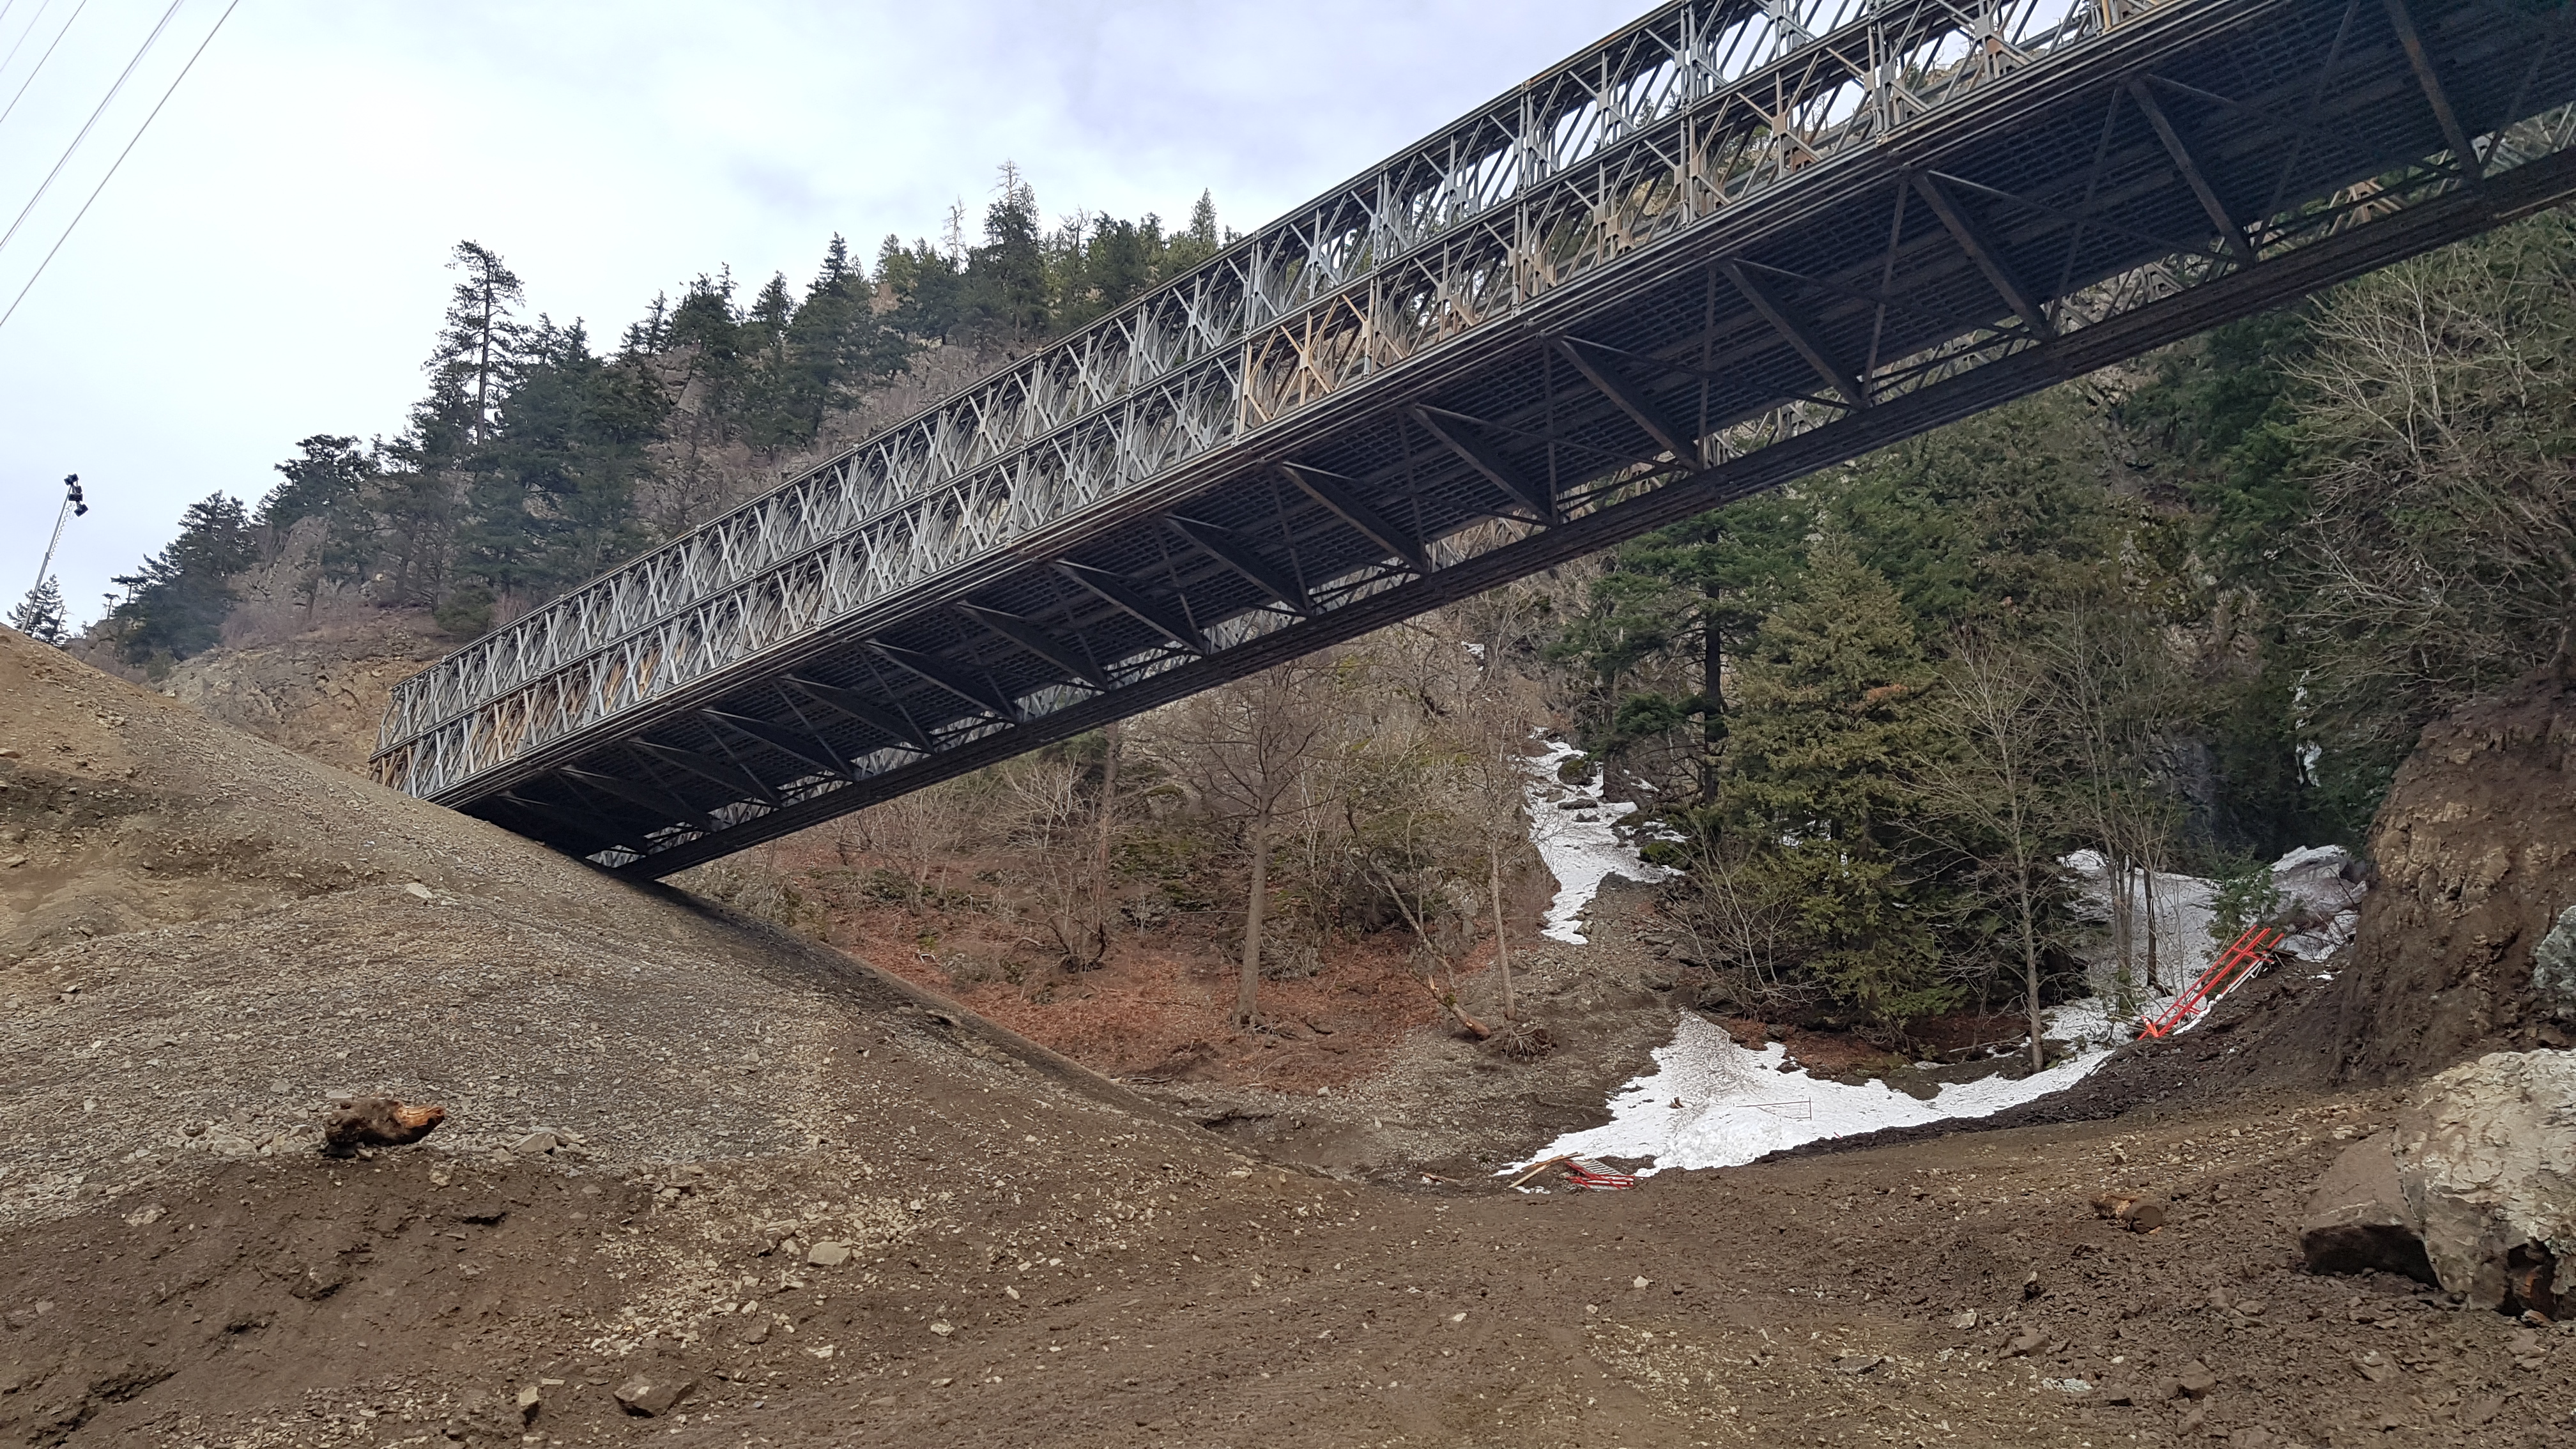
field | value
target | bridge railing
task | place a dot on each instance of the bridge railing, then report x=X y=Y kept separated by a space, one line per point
x=1700 y=107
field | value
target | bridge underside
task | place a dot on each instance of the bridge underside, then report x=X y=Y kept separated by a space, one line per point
x=2120 y=197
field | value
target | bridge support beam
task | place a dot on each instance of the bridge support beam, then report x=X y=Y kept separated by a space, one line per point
x=1981 y=249
x=1329 y=491
x=1230 y=549
x=950 y=678
x=1131 y=601
x=1066 y=657
x=2219 y=216
x=724 y=773
x=1841 y=379
x=887 y=719
x=1452 y=429
x=2417 y=59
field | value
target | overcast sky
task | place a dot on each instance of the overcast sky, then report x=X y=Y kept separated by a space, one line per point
x=268 y=264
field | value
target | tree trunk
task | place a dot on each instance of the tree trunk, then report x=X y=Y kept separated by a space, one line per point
x=2152 y=983
x=1100 y=893
x=1502 y=941
x=2030 y=986
x=1712 y=727
x=2116 y=867
x=1247 y=1000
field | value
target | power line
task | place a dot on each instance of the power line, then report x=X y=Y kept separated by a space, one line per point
x=23 y=34
x=39 y=66
x=120 y=158
x=32 y=22
x=121 y=77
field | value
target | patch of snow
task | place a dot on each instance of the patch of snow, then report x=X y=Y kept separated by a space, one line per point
x=2312 y=889
x=1581 y=847
x=1736 y=1104
x=1711 y=1102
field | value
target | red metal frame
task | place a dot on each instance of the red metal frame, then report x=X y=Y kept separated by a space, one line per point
x=2242 y=957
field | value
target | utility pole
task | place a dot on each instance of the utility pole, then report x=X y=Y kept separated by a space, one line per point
x=72 y=508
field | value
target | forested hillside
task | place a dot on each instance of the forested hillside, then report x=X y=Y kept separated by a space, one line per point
x=2187 y=614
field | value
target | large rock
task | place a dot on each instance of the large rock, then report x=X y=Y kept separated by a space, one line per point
x=2357 y=1220
x=2486 y=1160
x=656 y=1391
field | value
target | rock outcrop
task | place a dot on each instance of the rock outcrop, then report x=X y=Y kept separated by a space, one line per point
x=321 y=696
x=2466 y=943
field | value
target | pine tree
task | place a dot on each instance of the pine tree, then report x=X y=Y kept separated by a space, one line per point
x=39 y=616
x=1006 y=277
x=478 y=344
x=1200 y=242
x=1826 y=724
x=175 y=604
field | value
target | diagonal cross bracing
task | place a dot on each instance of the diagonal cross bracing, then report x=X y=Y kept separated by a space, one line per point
x=1948 y=204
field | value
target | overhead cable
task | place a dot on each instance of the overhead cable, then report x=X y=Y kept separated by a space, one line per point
x=23 y=34
x=39 y=66
x=120 y=158
x=121 y=77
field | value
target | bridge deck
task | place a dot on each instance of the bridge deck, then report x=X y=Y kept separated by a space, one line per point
x=1736 y=242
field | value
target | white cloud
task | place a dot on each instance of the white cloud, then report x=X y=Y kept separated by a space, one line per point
x=268 y=263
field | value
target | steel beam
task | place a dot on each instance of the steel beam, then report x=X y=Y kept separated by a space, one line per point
x=659 y=804
x=2403 y=22
x=1981 y=249
x=731 y=777
x=2229 y=229
x=887 y=719
x=1056 y=652
x=1237 y=553
x=1346 y=505
x=1131 y=601
x=982 y=695
x=1843 y=380
x=796 y=744
x=1453 y=432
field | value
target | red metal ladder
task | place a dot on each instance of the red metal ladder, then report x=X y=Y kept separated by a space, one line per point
x=2242 y=957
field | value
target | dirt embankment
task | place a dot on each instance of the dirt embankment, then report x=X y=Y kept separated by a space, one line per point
x=2476 y=852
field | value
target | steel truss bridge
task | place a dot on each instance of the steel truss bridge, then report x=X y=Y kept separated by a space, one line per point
x=1736 y=242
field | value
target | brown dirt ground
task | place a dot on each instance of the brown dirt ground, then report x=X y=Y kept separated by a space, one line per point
x=1035 y=1255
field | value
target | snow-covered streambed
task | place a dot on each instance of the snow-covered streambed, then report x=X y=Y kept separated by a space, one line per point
x=1712 y=1102
x=1576 y=833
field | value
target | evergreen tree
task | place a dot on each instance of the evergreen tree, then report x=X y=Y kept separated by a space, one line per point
x=1006 y=277
x=1200 y=242
x=39 y=616
x=553 y=496
x=335 y=483
x=176 y=603
x=477 y=346
x=928 y=289
x=1828 y=721
x=328 y=476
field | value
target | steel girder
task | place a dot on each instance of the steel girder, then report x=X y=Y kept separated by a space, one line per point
x=1730 y=244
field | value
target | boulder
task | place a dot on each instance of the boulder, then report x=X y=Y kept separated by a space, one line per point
x=2357 y=1220
x=2486 y=1159
x=654 y=1392
x=376 y=1122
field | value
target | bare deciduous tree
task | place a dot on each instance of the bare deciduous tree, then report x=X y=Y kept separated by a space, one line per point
x=1996 y=778
x=1246 y=747
x=2440 y=551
